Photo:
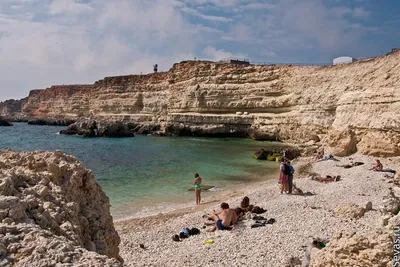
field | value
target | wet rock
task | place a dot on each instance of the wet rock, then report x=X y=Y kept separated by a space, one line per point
x=99 y=128
x=5 y=123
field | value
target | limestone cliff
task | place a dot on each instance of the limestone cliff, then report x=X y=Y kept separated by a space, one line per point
x=52 y=212
x=351 y=107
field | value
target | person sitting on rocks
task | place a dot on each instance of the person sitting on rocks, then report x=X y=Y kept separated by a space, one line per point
x=239 y=213
x=223 y=219
x=244 y=205
x=377 y=166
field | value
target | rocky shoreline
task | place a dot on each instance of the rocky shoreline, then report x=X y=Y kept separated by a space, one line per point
x=354 y=216
x=50 y=202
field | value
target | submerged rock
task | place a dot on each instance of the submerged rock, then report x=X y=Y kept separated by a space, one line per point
x=53 y=212
x=273 y=154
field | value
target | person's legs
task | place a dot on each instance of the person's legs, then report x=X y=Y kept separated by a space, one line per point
x=290 y=183
x=199 y=196
x=213 y=217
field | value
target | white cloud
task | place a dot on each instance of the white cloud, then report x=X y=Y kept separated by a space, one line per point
x=268 y=53
x=218 y=3
x=360 y=12
x=68 y=6
x=194 y=12
x=218 y=54
x=74 y=41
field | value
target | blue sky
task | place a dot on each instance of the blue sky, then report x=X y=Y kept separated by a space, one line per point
x=45 y=42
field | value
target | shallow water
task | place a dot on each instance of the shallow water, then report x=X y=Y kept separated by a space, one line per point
x=145 y=171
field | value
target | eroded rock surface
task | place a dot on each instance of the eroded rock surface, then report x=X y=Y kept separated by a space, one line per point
x=53 y=212
x=358 y=250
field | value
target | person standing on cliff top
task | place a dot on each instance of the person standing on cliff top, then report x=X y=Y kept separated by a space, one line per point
x=197 y=188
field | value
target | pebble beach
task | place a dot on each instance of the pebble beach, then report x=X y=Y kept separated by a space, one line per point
x=320 y=212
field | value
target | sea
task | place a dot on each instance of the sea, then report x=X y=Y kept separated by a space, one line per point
x=147 y=175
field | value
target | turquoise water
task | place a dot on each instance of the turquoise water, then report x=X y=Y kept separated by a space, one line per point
x=143 y=171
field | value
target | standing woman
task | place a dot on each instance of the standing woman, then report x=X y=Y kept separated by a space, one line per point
x=283 y=177
x=197 y=188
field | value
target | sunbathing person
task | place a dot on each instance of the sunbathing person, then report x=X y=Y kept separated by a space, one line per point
x=327 y=179
x=377 y=166
x=223 y=219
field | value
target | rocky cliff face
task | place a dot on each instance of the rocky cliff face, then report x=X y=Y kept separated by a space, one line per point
x=12 y=109
x=52 y=212
x=350 y=107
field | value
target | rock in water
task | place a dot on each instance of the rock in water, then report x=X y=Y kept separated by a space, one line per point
x=53 y=212
x=99 y=128
x=5 y=123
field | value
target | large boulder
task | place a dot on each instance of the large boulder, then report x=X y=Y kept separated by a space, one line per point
x=53 y=212
x=99 y=128
x=264 y=135
x=356 y=250
x=350 y=210
x=5 y=123
x=340 y=143
x=273 y=153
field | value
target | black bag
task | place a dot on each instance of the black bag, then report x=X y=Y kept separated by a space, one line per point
x=286 y=170
x=194 y=231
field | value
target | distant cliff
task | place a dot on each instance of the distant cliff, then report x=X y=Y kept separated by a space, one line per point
x=345 y=108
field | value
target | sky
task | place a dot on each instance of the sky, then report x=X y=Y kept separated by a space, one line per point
x=46 y=42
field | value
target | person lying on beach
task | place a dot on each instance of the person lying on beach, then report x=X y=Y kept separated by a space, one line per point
x=319 y=156
x=223 y=219
x=347 y=166
x=327 y=179
x=329 y=157
x=377 y=166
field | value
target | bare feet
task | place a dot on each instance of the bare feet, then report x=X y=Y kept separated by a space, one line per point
x=212 y=229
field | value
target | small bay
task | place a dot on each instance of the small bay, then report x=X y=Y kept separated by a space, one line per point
x=147 y=173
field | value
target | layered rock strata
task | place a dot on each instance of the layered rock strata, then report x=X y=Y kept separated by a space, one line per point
x=52 y=212
x=345 y=108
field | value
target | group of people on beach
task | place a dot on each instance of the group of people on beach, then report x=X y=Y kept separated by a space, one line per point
x=227 y=218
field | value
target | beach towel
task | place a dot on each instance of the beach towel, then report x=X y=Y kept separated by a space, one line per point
x=387 y=170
